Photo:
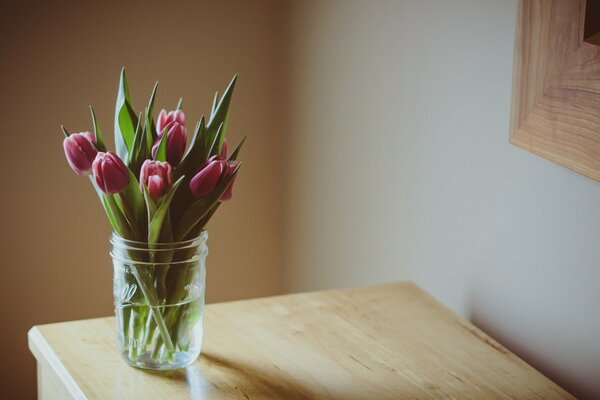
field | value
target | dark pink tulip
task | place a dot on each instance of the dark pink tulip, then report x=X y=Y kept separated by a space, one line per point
x=215 y=169
x=110 y=173
x=231 y=166
x=174 y=121
x=224 y=149
x=156 y=176
x=80 y=152
x=204 y=182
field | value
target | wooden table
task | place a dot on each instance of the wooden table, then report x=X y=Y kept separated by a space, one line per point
x=380 y=342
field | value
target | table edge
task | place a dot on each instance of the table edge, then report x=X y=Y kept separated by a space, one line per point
x=44 y=354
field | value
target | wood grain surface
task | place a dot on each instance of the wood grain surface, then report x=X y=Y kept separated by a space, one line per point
x=556 y=85
x=382 y=342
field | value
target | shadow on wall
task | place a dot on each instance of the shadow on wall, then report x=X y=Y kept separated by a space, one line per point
x=486 y=315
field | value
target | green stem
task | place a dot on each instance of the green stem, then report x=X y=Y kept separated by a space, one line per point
x=153 y=303
x=129 y=217
x=132 y=347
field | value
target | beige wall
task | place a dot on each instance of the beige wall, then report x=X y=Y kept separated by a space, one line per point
x=401 y=169
x=56 y=59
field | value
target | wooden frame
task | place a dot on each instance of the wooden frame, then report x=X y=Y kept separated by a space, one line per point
x=556 y=83
x=591 y=30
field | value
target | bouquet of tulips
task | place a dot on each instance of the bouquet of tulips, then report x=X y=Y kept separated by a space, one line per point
x=155 y=188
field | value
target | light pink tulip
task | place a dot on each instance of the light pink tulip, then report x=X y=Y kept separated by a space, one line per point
x=110 y=173
x=80 y=152
x=157 y=177
x=165 y=118
x=174 y=122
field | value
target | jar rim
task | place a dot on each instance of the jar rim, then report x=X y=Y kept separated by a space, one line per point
x=116 y=239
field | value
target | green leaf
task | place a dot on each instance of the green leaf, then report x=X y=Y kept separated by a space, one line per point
x=138 y=151
x=156 y=224
x=199 y=209
x=195 y=154
x=235 y=153
x=127 y=122
x=190 y=164
x=131 y=202
x=118 y=220
x=123 y=207
x=161 y=152
x=149 y=131
x=223 y=129
x=115 y=217
x=125 y=119
x=194 y=151
x=151 y=101
x=97 y=133
x=166 y=235
x=137 y=137
x=179 y=104
x=221 y=110
x=195 y=231
x=150 y=126
x=200 y=148
x=109 y=212
x=217 y=139
x=213 y=108
x=150 y=204
x=64 y=131
x=219 y=117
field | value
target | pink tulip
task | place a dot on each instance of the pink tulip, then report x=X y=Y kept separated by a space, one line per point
x=80 y=152
x=224 y=149
x=231 y=166
x=165 y=119
x=214 y=170
x=174 y=121
x=156 y=176
x=110 y=173
x=204 y=182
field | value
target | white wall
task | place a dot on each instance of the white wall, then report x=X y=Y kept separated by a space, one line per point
x=401 y=169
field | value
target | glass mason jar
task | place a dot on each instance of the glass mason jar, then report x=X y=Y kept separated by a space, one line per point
x=159 y=301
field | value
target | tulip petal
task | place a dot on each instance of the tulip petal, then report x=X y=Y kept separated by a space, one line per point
x=231 y=167
x=161 y=121
x=176 y=143
x=224 y=148
x=80 y=152
x=178 y=116
x=157 y=176
x=110 y=173
x=156 y=186
x=205 y=181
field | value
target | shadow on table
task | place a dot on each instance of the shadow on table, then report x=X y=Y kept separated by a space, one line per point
x=235 y=378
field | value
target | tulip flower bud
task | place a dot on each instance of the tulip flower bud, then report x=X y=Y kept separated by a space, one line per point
x=80 y=152
x=214 y=170
x=224 y=149
x=174 y=122
x=165 y=119
x=204 y=182
x=110 y=173
x=231 y=166
x=156 y=176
